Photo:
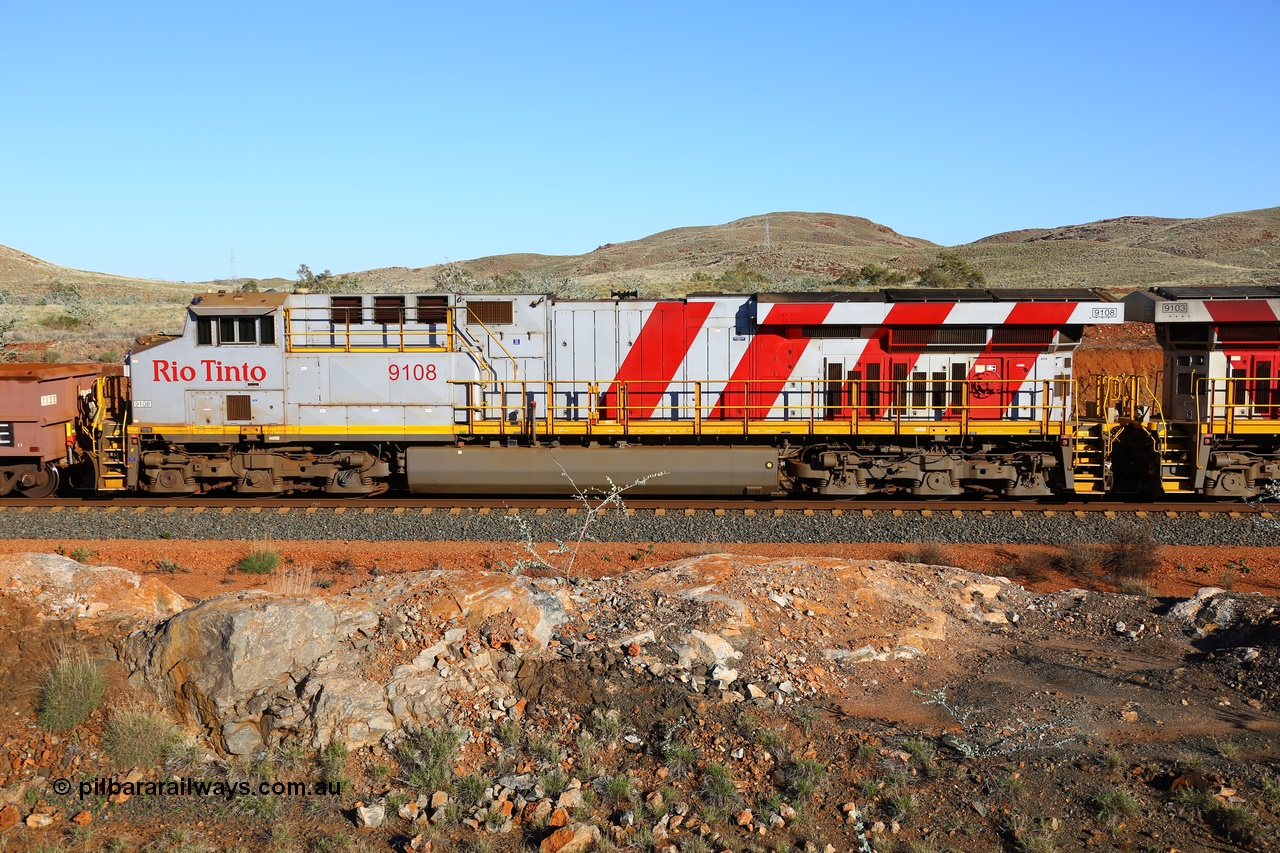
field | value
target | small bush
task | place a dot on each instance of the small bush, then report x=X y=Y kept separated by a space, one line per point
x=804 y=778
x=607 y=725
x=546 y=748
x=620 y=789
x=260 y=562
x=1028 y=566
x=139 y=738
x=717 y=788
x=471 y=788
x=680 y=757
x=901 y=806
x=1133 y=553
x=509 y=732
x=71 y=692
x=1141 y=590
x=168 y=566
x=1235 y=823
x=1116 y=804
x=51 y=357
x=926 y=553
x=296 y=581
x=333 y=762
x=1079 y=560
x=427 y=757
x=82 y=555
x=61 y=322
x=1228 y=749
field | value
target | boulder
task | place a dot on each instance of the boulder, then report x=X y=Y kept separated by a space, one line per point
x=574 y=838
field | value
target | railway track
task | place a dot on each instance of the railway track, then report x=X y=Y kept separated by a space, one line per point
x=398 y=504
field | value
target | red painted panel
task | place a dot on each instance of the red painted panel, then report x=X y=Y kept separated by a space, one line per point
x=769 y=361
x=655 y=357
x=1240 y=311
x=990 y=399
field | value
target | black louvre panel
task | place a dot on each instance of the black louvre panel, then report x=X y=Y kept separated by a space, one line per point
x=238 y=407
x=388 y=310
x=346 y=310
x=490 y=313
x=433 y=309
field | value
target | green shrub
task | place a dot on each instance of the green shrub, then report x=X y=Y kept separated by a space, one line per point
x=71 y=692
x=901 y=806
x=426 y=758
x=138 y=738
x=620 y=789
x=51 y=357
x=471 y=788
x=333 y=762
x=717 y=788
x=1116 y=804
x=804 y=777
x=260 y=562
x=61 y=322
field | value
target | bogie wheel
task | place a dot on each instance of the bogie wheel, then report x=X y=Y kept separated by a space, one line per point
x=40 y=484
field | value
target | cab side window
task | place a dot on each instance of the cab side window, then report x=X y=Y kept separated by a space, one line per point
x=235 y=331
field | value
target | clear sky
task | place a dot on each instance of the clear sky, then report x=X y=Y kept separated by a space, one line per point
x=153 y=139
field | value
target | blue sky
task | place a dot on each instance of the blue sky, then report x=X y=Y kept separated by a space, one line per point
x=154 y=139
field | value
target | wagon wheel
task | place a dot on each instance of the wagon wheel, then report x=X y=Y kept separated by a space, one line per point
x=40 y=484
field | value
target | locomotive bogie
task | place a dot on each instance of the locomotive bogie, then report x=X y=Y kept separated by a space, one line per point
x=936 y=471
x=265 y=472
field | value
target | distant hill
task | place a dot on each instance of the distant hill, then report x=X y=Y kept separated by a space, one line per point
x=800 y=251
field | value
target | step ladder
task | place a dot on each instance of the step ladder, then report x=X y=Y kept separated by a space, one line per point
x=1089 y=458
x=110 y=432
x=1177 y=461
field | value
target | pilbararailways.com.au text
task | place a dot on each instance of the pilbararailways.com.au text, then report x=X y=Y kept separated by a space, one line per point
x=198 y=788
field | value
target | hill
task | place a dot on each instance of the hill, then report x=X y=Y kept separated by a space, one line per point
x=808 y=250
x=779 y=251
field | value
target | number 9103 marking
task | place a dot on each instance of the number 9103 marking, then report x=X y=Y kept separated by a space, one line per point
x=414 y=372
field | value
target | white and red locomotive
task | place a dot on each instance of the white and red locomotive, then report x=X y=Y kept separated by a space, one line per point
x=1213 y=425
x=923 y=391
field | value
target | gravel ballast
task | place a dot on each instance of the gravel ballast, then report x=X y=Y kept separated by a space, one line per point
x=469 y=525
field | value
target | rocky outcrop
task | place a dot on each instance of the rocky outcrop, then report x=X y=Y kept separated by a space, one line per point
x=254 y=668
x=56 y=588
x=49 y=602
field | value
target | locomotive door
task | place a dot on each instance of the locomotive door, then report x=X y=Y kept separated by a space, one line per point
x=926 y=394
x=989 y=392
x=1252 y=389
x=1266 y=395
x=1190 y=390
x=586 y=352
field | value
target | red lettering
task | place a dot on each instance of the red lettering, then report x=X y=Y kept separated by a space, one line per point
x=257 y=373
x=187 y=373
x=232 y=373
x=208 y=364
x=161 y=370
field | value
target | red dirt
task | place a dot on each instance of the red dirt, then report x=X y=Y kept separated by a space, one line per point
x=207 y=569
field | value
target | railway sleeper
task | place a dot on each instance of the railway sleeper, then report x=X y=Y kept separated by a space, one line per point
x=928 y=474
x=348 y=472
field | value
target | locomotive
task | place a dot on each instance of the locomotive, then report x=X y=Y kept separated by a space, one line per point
x=932 y=393
x=1214 y=427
